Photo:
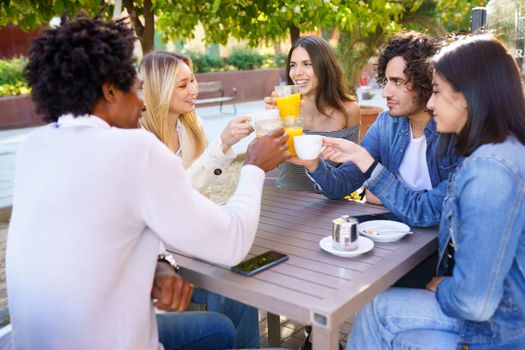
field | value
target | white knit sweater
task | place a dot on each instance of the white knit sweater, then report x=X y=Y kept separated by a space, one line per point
x=91 y=205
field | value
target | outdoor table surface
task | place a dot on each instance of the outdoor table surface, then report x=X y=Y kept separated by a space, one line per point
x=313 y=286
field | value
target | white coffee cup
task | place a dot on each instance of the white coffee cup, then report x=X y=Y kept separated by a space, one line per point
x=308 y=147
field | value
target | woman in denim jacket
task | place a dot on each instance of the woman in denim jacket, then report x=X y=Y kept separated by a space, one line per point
x=478 y=302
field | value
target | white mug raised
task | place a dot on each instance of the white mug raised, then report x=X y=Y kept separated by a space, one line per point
x=308 y=147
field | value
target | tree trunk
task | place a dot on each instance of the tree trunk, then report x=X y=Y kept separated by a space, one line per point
x=145 y=32
x=147 y=40
x=294 y=33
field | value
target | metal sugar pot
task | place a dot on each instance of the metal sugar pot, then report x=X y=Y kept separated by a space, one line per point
x=344 y=233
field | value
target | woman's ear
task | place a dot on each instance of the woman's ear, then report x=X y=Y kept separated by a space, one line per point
x=108 y=92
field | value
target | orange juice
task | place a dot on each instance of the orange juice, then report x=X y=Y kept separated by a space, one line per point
x=289 y=105
x=293 y=131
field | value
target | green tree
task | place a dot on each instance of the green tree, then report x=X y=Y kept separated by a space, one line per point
x=363 y=23
x=31 y=14
x=437 y=17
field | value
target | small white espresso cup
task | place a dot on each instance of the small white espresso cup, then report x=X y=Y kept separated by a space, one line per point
x=308 y=147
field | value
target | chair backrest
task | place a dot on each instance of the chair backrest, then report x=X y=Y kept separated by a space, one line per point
x=210 y=86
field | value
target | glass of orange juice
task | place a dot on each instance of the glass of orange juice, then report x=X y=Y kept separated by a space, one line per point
x=293 y=126
x=288 y=100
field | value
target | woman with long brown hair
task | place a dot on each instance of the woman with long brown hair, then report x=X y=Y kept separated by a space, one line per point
x=327 y=107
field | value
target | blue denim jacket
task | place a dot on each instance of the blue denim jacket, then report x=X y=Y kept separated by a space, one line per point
x=386 y=141
x=484 y=218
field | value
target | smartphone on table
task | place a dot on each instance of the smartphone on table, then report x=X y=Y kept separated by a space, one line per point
x=259 y=263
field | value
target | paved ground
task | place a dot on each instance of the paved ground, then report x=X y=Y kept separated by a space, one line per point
x=214 y=122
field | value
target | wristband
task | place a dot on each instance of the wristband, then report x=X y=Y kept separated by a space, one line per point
x=170 y=260
x=368 y=173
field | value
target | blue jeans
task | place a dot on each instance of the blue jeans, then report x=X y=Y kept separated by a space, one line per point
x=195 y=330
x=245 y=318
x=402 y=318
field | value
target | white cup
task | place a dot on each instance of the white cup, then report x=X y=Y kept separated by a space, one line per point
x=265 y=121
x=308 y=147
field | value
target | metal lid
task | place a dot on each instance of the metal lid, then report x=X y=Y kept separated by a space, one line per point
x=344 y=219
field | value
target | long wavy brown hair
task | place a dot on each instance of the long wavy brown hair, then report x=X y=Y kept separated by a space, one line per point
x=331 y=91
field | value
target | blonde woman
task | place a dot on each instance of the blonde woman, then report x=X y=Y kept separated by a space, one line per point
x=170 y=91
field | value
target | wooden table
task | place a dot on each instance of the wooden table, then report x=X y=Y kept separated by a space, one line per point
x=312 y=287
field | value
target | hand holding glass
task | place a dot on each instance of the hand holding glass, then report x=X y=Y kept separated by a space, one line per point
x=265 y=121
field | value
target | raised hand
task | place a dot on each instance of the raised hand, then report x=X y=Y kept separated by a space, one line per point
x=269 y=101
x=342 y=151
x=268 y=151
x=339 y=150
x=237 y=129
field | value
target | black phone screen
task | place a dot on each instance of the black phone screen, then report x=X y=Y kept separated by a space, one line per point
x=257 y=262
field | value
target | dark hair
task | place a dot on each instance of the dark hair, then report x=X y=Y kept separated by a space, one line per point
x=487 y=75
x=416 y=49
x=68 y=65
x=331 y=90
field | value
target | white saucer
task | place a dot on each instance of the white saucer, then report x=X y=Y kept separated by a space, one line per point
x=380 y=225
x=365 y=245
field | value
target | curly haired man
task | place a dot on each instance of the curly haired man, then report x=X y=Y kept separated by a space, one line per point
x=94 y=197
x=403 y=172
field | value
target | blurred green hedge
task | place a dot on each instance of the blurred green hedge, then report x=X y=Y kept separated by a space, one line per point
x=12 y=81
x=239 y=59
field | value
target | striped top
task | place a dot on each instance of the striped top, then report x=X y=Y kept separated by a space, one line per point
x=293 y=177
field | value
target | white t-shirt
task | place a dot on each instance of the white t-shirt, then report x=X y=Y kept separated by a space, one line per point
x=413 y=171
x=91 y=205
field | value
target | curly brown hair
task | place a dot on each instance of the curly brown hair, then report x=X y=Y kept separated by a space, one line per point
x=416 y=49
x=68 y=64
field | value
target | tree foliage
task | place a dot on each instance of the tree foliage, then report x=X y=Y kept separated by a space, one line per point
x=30 y=14
x=363 y=24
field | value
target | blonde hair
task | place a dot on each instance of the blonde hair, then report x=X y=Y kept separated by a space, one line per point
x=159 y=72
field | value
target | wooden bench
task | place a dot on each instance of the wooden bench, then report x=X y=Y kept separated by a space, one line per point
x=216 y=87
